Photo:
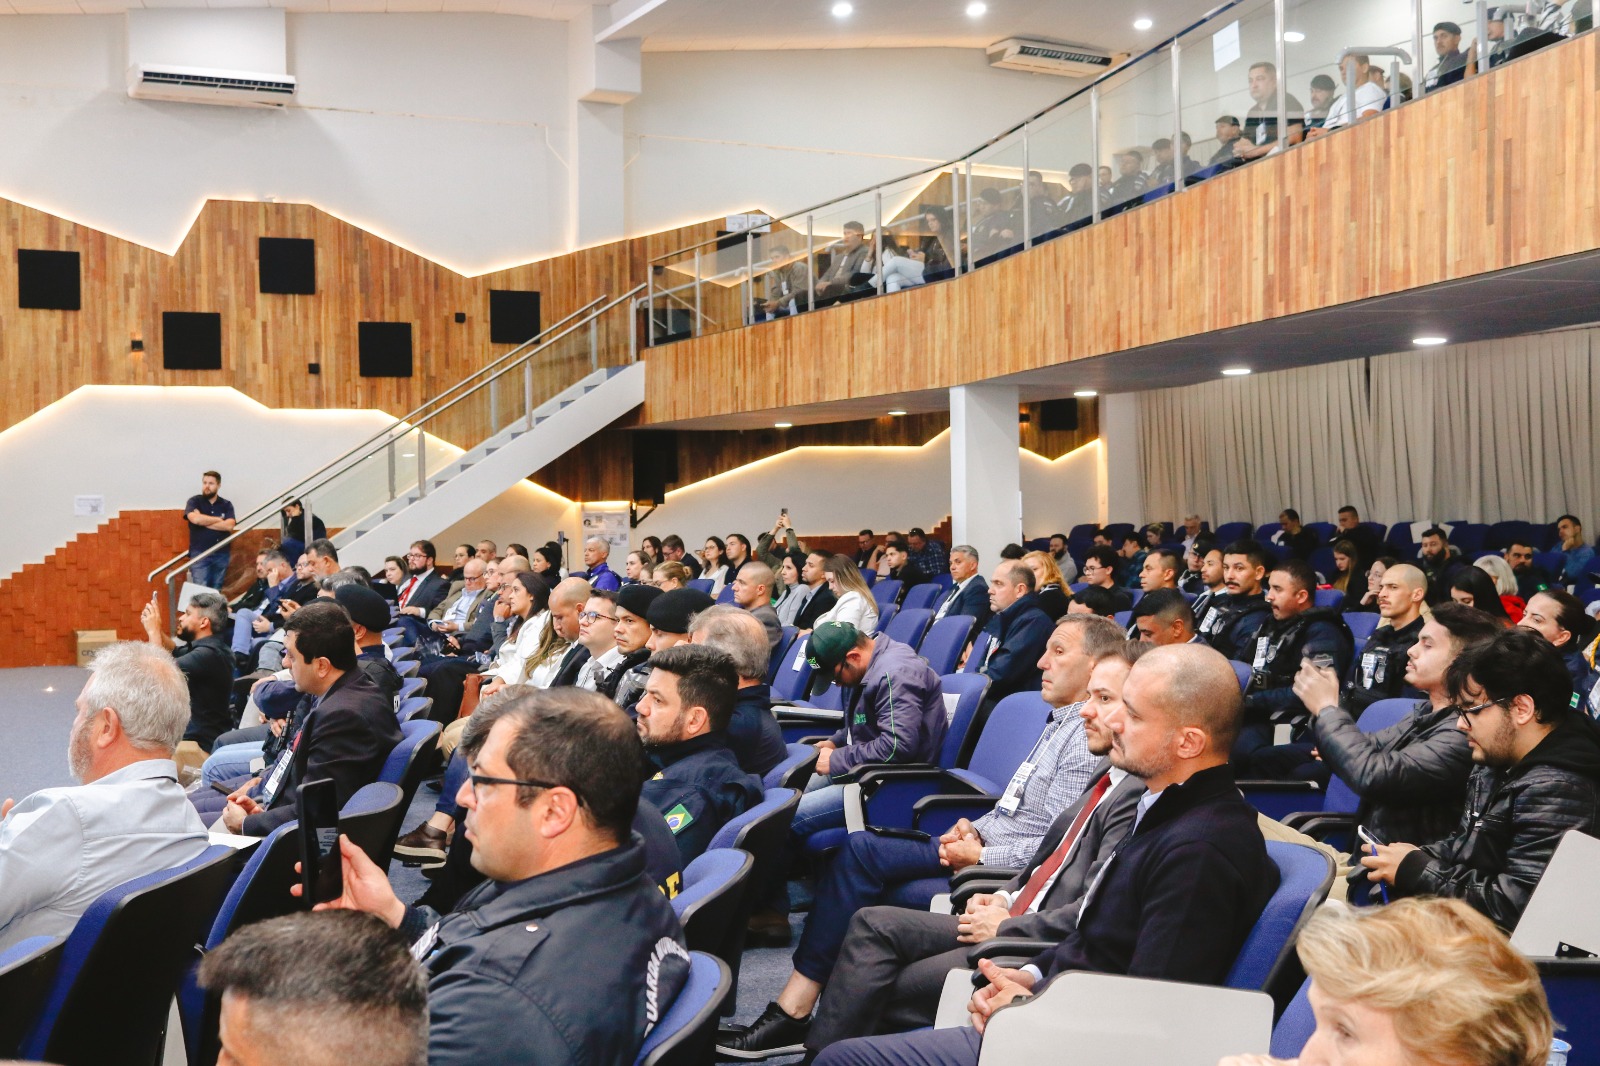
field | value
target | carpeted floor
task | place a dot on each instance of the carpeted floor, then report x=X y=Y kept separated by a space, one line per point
x=36 y=712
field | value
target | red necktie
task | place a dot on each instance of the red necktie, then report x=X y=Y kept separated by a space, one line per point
x=405 y=593
x=1046 y=870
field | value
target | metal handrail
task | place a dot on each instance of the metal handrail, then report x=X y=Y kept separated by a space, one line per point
x=276 y=503
x=991 y=142
x=169 y=570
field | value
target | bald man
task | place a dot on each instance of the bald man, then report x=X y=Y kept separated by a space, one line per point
x=1186 y=886
x=1379 y=672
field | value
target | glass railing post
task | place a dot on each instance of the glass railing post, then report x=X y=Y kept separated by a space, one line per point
x=877 y=236
x=1481 y=17
x=1179 y=156
x=650 y=304
x=306 y=516
x=422 y=463
x=953 y=237
x=527 y=392
x=966 y=201
x=1418 y=71
x=1027 y=198
x=696 y=330
x=1094 y=148
x=594 y=345
x=389 y=449
x=1280 y=25
x=750 y=277
x=811 y=265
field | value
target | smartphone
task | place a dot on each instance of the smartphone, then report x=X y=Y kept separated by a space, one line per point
x=1322 y=660
x=784 y=512
x=321 y=869
x=1369 y=837
x=897 y=833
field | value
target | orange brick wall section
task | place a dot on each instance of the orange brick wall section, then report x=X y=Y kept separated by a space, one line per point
x=95 y=581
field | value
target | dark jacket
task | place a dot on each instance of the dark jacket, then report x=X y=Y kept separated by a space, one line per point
x=753 y=733
x=1053 y=601
x=514 y=974
x=769 y=619
x=346 y=737
x=1280 y=646
x=1440 y=574
x=972 y=600
x=1019 y=634
x=207 y=666
x=602 y=577
x=428 y=593
x=1182 y=892
x=820 y=603
x=478 y=633
x=895 y=714
x=374 y=662
x=1513 y=820
x=1411 y=777
x=571 y=665
x=1379 y=672
x=699 y=787
x=607 y=686
x=1097 y=841
x=1231 y=622
x=1300 y=544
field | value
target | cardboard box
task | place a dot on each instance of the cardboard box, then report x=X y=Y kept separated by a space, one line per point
x=91 y=641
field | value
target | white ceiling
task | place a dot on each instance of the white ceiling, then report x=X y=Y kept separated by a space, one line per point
x=719 y=25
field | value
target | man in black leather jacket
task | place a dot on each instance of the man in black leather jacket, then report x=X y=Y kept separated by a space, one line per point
x=513 y=973
x=1538 y=776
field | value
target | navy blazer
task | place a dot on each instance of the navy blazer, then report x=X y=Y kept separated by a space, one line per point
x=1182 y=892
x=429 y=593
x=972 y=600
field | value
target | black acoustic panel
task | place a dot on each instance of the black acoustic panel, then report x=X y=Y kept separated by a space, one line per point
x=1058 y=415
x=385 y=349
x=513 y=316
x=287 y=264
x=49 y=280
x=191 y=340
x=655 y=464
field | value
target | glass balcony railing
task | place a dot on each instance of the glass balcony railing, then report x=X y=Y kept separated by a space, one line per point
x=1251 y=79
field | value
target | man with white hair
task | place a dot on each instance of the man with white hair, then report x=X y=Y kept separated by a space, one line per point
x=61 y=848
x=601 y=577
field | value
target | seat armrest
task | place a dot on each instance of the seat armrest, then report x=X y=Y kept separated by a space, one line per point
x=960 y=894
x=890 y=793
x=870 y=771
x=1011 y=947
x=946 y=809
x=986 y=873
x=1321 y=828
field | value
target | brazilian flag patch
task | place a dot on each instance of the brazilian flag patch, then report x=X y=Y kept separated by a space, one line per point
x=679 y=819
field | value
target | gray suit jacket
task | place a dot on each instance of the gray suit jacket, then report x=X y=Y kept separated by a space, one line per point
x=769 y=618
x=1058 y=910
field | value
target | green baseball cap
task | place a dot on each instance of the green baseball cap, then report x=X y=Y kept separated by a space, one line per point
x=829 y=644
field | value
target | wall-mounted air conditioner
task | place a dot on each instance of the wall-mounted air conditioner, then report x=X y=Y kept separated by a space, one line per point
x=197 y=85
x=1048 y=57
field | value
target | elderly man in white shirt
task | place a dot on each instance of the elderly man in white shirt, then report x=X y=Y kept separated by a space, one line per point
x=62 y=848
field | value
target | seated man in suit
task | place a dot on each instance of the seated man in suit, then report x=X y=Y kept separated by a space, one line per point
x=347 y=735
x=454 y=613
x=61 y=848
x=1184 y=889
x=683 y=721
x=1018 y=631
x=423 y=589
x=968 y=593
x=1064 y=762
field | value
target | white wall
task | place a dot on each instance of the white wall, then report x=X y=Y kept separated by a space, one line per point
x=715 y=132
x=143 y=448
x=441 y=132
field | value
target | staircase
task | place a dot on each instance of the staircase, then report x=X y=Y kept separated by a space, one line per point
x=483 y=473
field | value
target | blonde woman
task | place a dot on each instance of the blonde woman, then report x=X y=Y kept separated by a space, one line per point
x=1421 y=982
x=853 y=598
x=1048 y=584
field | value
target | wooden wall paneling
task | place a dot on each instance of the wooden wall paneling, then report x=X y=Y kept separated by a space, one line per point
x=1489 y=175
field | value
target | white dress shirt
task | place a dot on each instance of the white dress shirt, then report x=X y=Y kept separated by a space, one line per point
x=598 y=666
x=62 y=848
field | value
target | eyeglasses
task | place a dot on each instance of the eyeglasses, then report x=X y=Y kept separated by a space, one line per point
x=1476 y=709
x=479 y=780
x=590 y=616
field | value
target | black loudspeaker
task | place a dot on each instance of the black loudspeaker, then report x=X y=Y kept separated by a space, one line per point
x=48 y=280
x=191 y=340
x=655 y=464
x=1059 y=416
x=287 y=264
x=513 y=316
x=385 y=349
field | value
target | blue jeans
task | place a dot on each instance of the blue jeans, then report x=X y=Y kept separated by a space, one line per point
x=226 y=763
x=857 y=878
x=924 y=1047
x=822 y=807
x=210 y=571
x=456 y=773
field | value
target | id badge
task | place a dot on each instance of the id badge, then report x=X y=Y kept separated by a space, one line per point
x=1369 y=669
x=1013 y=796
x=1261 y=653
x=1594 y=702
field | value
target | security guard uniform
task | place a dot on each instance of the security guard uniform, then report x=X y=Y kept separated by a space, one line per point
x=699 y=787
x=1379 y=672
x=513 y=975
x=1280 y=646
x=1231 y=621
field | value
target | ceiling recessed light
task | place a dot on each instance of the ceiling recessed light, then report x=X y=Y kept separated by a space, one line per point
x=1429 y=342
x=1086 y=394
x=842 y=10
x=897 y=412
x=1142 y=24
x=1293 y=36
x=977 y=9
x=408 y=455
x=783 y=425
x=1235 y=371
